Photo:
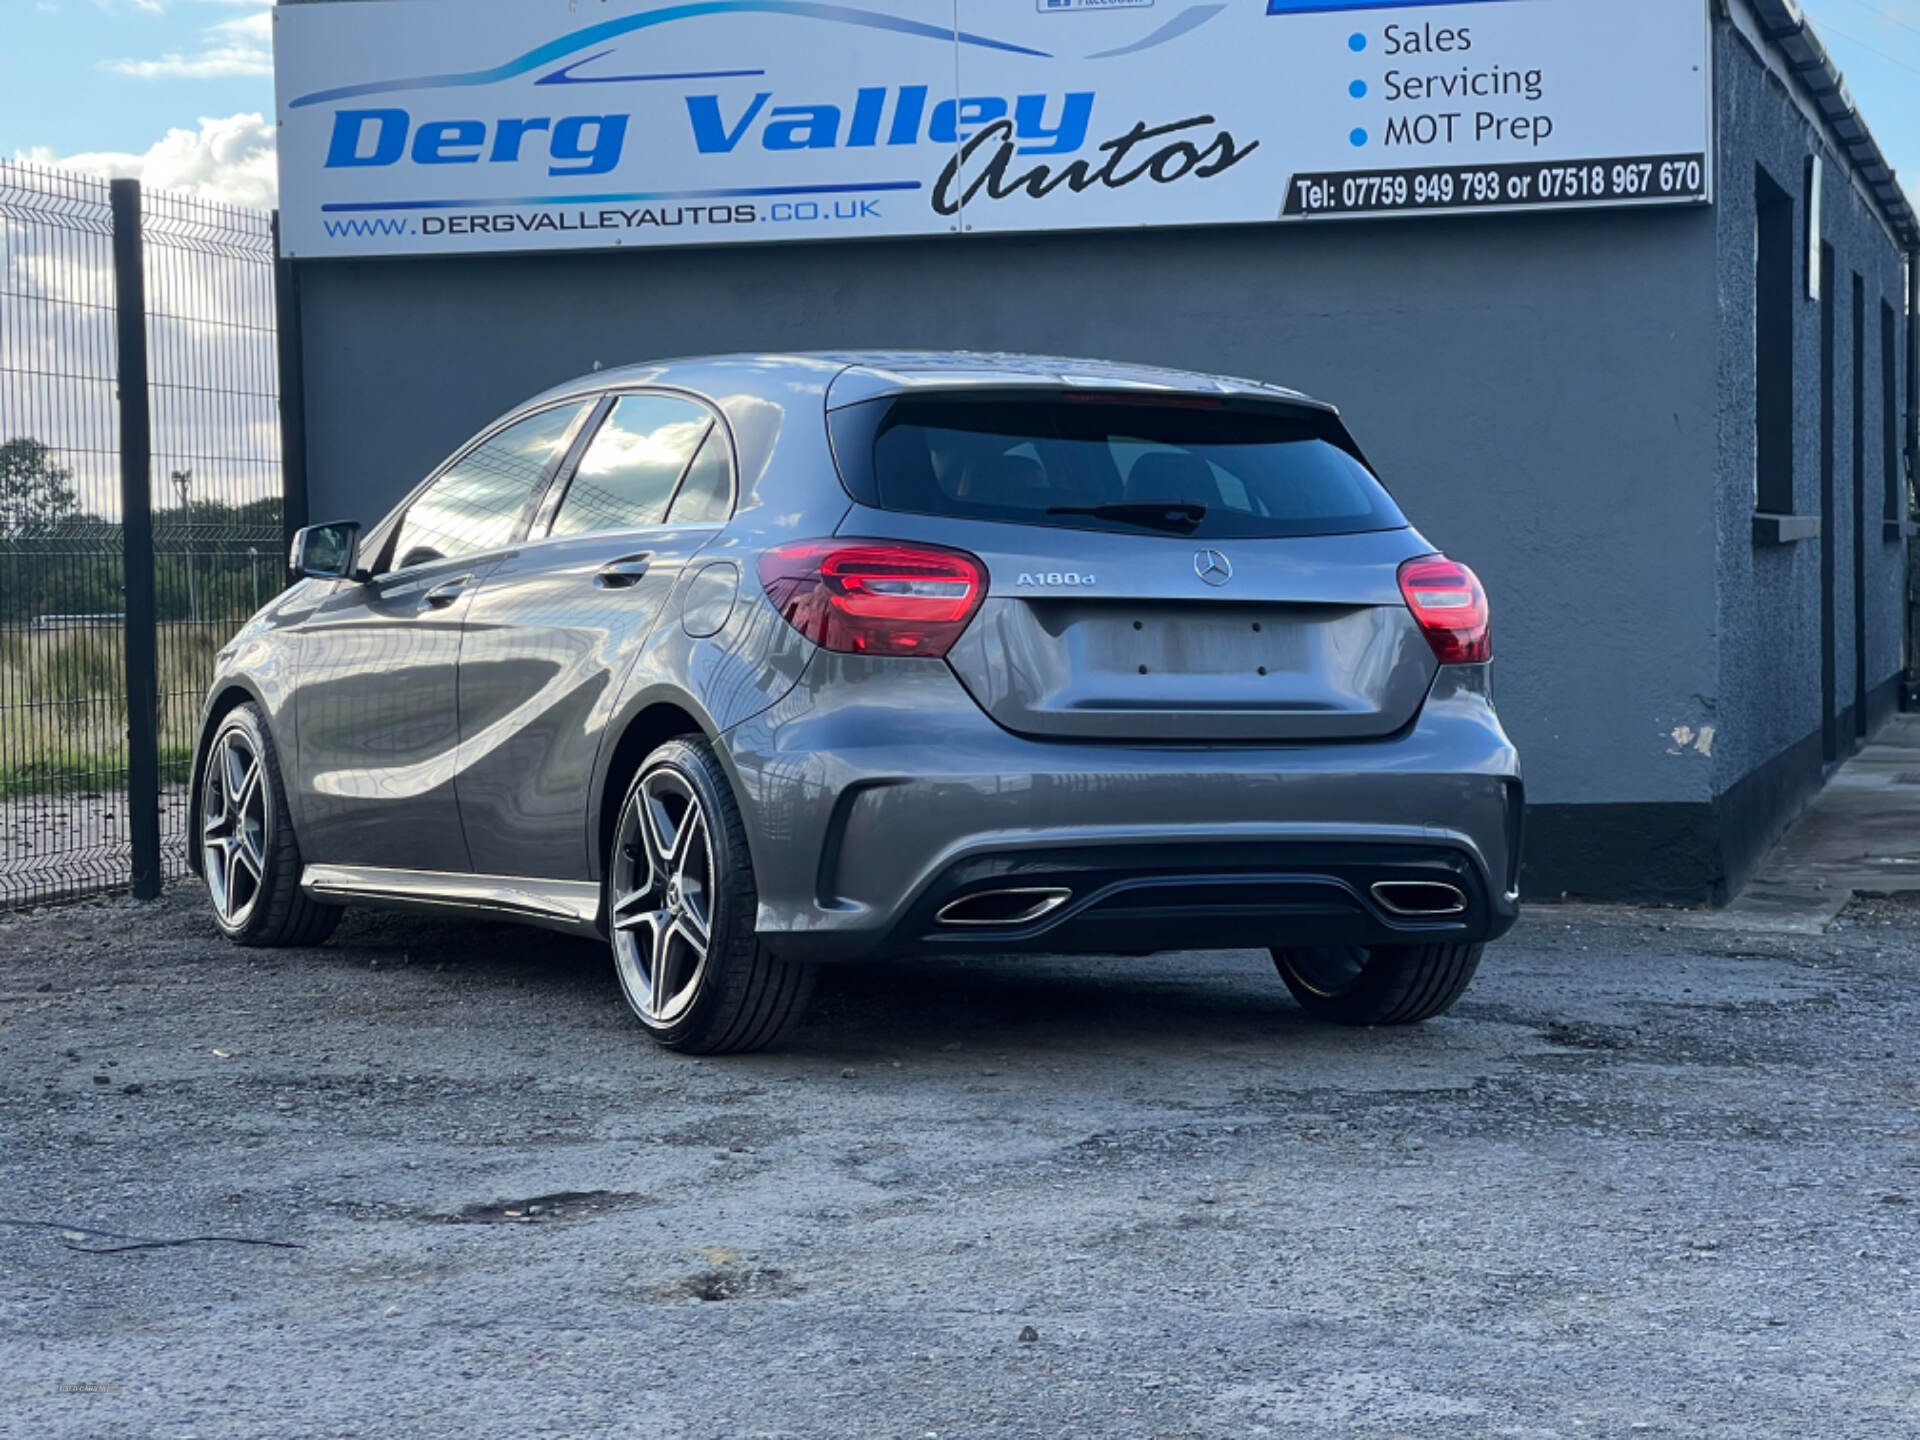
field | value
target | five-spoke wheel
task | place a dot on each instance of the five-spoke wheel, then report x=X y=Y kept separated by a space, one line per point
x=235 y=812
x=248 y=853
x=662 y=913
x=682 y=912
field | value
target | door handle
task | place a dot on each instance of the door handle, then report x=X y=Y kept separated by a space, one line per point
x=618 y=574
x=445 y=593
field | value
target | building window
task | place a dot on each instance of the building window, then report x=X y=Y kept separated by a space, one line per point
x=1773 y=296
x=1890 y=411
x=1812 y=190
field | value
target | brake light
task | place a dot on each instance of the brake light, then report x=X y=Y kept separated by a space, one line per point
x=874 y=597
x=1450 y=608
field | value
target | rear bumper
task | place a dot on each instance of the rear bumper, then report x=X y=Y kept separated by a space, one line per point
x=1139 y=899
x=877 y=793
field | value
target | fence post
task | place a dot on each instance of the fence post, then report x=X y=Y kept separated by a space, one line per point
x=136 y=539
x=293 y=398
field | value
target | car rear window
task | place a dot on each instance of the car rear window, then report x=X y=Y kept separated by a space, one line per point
x=1196 y=467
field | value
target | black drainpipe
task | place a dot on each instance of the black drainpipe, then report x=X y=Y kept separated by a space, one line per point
x=1911 y=695
x=1913 y=372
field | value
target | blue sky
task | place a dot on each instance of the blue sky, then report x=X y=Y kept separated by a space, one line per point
x=116 y=75
x=179 y=92
x=1877 y=43
x=164 y=88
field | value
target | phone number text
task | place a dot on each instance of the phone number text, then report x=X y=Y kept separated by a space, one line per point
x=1527 y=183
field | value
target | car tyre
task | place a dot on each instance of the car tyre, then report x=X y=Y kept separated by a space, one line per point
x=1379 y=984
x=682 y=910
x=249 y=855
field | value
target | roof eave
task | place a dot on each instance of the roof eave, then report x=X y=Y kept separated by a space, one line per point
x=1786 y=28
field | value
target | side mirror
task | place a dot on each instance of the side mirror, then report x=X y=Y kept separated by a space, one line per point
x=327 y=552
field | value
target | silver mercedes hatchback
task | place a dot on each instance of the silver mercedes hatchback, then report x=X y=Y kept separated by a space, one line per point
x=753 y=662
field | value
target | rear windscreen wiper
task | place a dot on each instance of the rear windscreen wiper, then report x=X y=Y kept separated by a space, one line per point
x=1182 y=517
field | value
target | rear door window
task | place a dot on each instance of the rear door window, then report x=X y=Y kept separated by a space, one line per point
x=1193 y=466
x=706 y=490
x=629 y=472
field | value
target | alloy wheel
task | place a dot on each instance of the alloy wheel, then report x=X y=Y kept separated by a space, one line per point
x=233 y=832
x=663 y=888
x=1330 y=969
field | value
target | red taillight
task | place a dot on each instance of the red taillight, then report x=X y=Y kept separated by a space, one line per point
x=874 y=597
x=1450 y=607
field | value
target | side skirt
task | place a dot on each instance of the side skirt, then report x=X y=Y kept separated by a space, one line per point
x=569 y=905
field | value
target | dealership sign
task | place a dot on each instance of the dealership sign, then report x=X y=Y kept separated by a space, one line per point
x=428 y=126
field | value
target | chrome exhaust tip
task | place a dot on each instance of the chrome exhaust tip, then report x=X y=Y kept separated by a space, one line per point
x=1003 y=907
x=1419 y=899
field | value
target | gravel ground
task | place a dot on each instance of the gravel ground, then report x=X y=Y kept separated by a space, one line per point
x=1645 y=1180
x=73 y=842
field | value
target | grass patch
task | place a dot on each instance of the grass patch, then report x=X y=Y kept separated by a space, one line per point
x=63 y=707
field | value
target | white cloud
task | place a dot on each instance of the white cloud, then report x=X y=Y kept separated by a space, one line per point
x=256 y=29
x=242 y=46
x=214 y=63
x=228 y=159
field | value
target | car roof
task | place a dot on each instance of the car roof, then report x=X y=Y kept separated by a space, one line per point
x=846 y=377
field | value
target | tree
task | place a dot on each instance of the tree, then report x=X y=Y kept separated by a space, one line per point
x=35 y=493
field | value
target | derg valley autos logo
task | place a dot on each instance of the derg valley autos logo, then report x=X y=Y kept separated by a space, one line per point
x=1160 y=153
x=592 y=144
x=990 y=137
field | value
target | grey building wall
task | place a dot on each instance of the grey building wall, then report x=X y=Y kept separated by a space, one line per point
x=1556 y=399
x=1768 y=754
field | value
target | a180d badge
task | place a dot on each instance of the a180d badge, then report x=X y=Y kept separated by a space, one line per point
x=1053 y=577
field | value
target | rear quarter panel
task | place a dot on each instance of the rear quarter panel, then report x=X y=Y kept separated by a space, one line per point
x=787 y=490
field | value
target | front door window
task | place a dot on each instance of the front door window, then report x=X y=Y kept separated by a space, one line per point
x=477 y=503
